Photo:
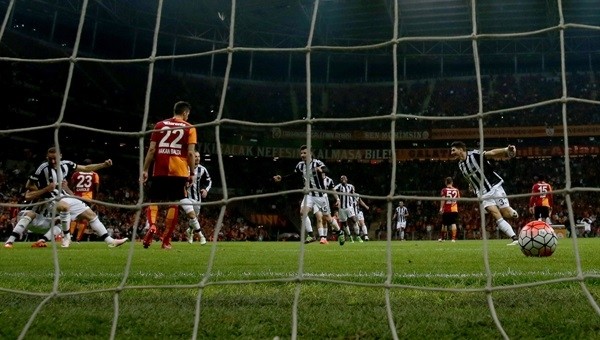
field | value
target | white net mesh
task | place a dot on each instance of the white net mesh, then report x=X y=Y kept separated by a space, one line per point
x=396 y=113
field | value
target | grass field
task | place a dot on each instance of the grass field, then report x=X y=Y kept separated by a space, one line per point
x=429 y=290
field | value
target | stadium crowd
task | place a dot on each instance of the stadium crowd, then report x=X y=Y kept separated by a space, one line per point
x=423 y=223
x=33 y=90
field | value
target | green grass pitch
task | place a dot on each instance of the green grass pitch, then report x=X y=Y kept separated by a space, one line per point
x=265 y=290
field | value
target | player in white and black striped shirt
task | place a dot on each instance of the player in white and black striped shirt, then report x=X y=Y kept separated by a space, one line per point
x=312 y=169
x=486 y=183
x=196 y=191
x=360 y=217
x=347 y=212
x=323 y=215
x=400 y=216
x=43 y=185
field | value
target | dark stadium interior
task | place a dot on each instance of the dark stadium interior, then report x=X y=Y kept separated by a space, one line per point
x=350 y=90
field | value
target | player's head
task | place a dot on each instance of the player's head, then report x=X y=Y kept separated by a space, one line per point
x=448 y=181
x=458 y=149
x=541 y=178
x=51 y=155
x=344 y=179
x=304 y=153
x=182 y=109
x=197 y=157
x=86 y=161
x=400 y=203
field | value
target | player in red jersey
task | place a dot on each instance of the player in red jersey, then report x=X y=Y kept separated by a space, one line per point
x=171 y=154
x=540 y=203
x=84 y=184
x=449 y=209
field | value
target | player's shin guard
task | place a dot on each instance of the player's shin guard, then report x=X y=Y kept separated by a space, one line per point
x=505 y=228
x=171 y=223
x=334 y=225
x=18 y=230
x=195 y=225
x=100 y=230
x=65 y=223
x=308 y=225
x=322 y=232
x=151 y=213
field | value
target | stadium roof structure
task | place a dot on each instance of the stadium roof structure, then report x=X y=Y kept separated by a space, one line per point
x=287 y=23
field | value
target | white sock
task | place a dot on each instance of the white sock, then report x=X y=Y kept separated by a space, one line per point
x=322 y=232
x=99 y=228
x=19 y=228
x=505 y=227
x=194 y=224
x=65 y=221
x=334 y=225
x=308 y=224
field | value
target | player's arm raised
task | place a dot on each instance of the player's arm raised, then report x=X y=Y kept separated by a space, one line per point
x=509 y=151
x=93 y=167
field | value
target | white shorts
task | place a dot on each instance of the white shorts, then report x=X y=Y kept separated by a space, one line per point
x=316 y=204
x=496 y=196
x=401 y=225
x=40 y=223
x=345 y=214
x=76 y=206
x=360 y=216
x=189 y=204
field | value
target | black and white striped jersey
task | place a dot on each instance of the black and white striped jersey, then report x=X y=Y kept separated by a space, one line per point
x=357 y=205
x=46 y=174
x=43 y=209
x=344 y=190
x=328 y=182
x=476 y=175
x=401 y=213
x=315 y=179
x=203 y=181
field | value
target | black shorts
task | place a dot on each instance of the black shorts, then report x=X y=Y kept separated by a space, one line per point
x=167 y=189
x=541 y=212
x=449 y=218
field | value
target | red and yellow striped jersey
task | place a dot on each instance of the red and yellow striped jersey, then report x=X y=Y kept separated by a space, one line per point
x=85 y=184
x=172 y=137
x=542 y=195
x=450 y=204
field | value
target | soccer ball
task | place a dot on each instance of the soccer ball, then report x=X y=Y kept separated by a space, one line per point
x=537 y=238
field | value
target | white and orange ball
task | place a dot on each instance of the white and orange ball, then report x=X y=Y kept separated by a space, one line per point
x=537 y=238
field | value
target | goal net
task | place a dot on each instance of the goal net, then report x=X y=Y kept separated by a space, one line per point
x=378 y=92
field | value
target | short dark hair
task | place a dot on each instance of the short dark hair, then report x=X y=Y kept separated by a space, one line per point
x=541 y=177
x=303 y=147
x=181 y=107
x=459 y=145
x=52 y=149
x=448 y=180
